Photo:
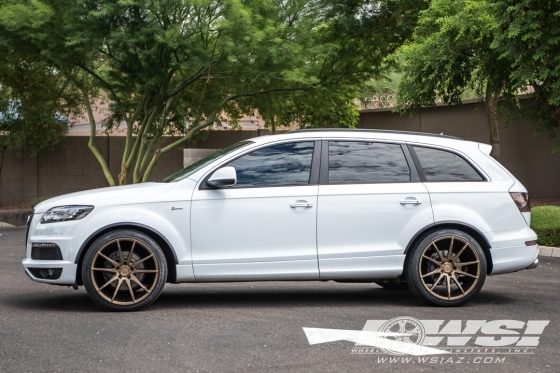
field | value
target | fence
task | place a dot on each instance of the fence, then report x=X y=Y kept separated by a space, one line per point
x=71 y=167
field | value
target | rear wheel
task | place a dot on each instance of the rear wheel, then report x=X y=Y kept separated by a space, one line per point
x=124 y=270
x=446 y=268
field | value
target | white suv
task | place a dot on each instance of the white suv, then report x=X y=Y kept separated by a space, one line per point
x=429 y=212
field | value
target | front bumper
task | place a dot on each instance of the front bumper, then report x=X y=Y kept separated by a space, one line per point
x=67 y=277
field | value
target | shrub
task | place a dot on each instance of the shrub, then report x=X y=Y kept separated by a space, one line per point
x=38 y=200
x=545 y=221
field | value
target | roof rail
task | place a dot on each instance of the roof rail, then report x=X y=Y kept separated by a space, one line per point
x=375 y=131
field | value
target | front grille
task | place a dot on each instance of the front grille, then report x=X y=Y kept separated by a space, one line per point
x=46 y=273
x=45 y=251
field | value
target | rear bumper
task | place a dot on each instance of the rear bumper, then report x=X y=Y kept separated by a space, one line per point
x=534 y=265
x=512 y=259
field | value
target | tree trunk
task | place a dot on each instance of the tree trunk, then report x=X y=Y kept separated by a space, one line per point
x=2 y=162
x=491 y=103
x=272 y=125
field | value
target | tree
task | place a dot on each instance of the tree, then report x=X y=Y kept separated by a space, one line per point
x=34 y=103
x=176 y=67
x=529 y=36
x=322 y=107
x=450 y=53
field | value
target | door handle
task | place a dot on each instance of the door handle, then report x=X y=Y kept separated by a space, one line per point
x=304 y=204
x=410 y=201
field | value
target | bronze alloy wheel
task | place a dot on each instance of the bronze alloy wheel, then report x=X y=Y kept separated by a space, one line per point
x=446 y=268
x=449 y=267
x=124 y=270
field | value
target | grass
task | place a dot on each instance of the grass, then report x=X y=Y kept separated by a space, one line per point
x=545 y=221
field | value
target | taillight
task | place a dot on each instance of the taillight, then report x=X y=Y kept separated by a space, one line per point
x=522 y=201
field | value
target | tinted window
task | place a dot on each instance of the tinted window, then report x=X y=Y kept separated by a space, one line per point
x=440 y=165
x=366 y=162
x=284 y=164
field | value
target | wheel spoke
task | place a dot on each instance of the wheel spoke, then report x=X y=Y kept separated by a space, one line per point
x=466 y=263
x=145 y=271
x=431 y=260
x=448 y=280
x=121 y=259
x=438 y=252
x=465 y=273
x=130 y=290
x=116 y=276
x=133 y=265
x=117 y=289
x=115 y=264
x=129 y=258
x=450 y=249
x=437 y=270
x=435 y=283
x=460 y=252
x=104 y=269
x=133 y=278
x=457 y=283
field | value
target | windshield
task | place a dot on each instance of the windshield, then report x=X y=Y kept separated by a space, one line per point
x=191 y=169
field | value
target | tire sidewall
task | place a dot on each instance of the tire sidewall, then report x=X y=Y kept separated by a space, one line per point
x=413 y=276
x=123 y=234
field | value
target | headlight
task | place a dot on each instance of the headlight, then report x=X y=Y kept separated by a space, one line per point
x=65 y=213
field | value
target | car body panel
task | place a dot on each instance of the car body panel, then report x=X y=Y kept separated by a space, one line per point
x=357 y=231
x=368 y=221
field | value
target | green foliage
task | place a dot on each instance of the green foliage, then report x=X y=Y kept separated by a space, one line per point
x=38 y=200
x=545 y=221
x=175 y=67
x=529 y=36
x=34 y=99
x=451 y=53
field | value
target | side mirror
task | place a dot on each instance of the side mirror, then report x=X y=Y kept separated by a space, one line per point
x=225 y=176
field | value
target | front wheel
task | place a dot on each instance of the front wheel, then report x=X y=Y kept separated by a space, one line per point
x=446 y=268
x=124 y=270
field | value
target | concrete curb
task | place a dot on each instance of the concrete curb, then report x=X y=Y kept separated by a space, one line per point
x=16 y=218
x=549 y=252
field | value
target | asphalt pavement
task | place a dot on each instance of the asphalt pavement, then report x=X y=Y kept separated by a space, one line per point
x=258 y=327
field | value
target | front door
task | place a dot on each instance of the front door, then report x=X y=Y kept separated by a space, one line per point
x=264 y=227
x=371 y=204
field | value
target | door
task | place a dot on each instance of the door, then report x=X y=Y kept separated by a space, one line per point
x=371 y=204
x=265 y=226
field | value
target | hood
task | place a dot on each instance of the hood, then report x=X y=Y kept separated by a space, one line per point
x=145 y=192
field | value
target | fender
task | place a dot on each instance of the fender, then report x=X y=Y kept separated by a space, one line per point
x=473 y=231
x=164 y=243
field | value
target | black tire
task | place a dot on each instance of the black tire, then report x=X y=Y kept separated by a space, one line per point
x=124 y=270
x=463 y=275
x=401 y=286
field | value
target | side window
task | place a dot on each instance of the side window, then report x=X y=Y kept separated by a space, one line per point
x=439 y=165
x=283 y=164
x=366 y=162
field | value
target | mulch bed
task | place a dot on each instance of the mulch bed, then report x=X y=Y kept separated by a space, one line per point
x=544 y=201
x=18 y=205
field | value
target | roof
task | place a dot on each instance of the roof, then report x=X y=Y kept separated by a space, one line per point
x=350 y=130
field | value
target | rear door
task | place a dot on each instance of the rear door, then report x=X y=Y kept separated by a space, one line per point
x=371 y=204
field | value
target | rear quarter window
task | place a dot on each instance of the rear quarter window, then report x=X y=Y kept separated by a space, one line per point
x=441 y=165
